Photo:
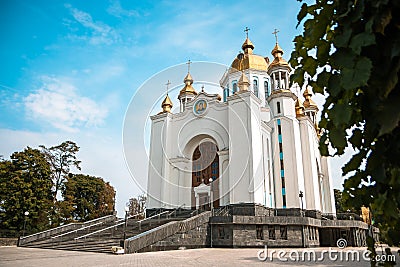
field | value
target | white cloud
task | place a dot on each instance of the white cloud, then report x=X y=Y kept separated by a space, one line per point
x=116 y=10
x=101 y=33
x=57 y=103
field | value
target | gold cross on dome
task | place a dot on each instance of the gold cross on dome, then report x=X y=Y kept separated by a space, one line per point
x=247 y=32
x=188 y=63
x=168 y=84
x=276 y=35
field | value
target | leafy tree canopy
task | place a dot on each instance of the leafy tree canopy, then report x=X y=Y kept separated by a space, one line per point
x=87 y=197
x=25 y=185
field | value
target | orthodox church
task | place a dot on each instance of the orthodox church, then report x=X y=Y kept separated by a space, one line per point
x=258 y=143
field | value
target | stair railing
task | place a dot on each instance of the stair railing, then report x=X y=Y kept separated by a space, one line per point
x=175 y=210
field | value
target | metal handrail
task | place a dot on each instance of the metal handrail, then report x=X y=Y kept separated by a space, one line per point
x=97 y=219
x=175 y=210
x=116 y=225
x=76 y=230
x=49 y=230
x=99 y=231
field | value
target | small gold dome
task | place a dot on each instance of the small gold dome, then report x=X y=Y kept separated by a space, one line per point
x=248 y=46
x=188 y=88
x=299 y=108
x=166 y=104
x=243 y=82
x=277 y=52
x=307 y=95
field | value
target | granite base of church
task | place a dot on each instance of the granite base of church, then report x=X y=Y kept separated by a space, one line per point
x=252 y=225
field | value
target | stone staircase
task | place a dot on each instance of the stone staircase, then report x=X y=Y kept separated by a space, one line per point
x=101 y=234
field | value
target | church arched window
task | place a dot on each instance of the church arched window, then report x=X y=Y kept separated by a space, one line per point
x=255 y=87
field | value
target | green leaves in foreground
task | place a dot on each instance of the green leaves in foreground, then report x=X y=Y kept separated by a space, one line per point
x=355 y=45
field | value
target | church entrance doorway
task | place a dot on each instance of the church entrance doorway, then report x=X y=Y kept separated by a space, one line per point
x=205 y=165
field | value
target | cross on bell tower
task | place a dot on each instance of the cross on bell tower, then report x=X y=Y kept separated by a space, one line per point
x=188 y=63
x=247 y=32
x=276 y=35
x=168 y=84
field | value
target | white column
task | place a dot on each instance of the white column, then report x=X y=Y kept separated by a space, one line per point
x=287 y=80
x=280 y=80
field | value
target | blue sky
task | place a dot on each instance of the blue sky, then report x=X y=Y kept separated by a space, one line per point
x=69 y=68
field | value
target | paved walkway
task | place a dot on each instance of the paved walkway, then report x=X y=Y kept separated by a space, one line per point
x=15 y=256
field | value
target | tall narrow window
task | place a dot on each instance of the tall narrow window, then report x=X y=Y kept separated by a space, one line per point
x=234 y=86
x=266 y=89
x=278 y=106
x=255 y=87
x=225 y=94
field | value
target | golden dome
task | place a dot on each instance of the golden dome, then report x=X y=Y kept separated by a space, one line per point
x=299 y=108
x=166 y=104
x=277 y=52
x=307 y=95
x=250 y=60
x=188 y=88
x=248 y=46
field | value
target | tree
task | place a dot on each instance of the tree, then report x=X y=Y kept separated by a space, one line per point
x=338 y=201
x=61 y=159
x=350 y=51
x=86 y=198
x=137 y=205
x=25 y=185
x=341 y=206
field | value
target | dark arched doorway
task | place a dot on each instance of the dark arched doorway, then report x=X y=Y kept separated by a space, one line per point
x=205 y=165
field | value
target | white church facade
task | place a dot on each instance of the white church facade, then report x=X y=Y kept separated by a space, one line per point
x=258 y=143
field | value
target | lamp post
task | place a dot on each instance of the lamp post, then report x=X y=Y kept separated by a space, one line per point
x=301 y=199
x=26 y=213
x=301 y=195
x=125 y=225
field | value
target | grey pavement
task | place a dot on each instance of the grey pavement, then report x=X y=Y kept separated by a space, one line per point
x=16 y=256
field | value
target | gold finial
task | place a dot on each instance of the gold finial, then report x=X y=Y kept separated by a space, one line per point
x=202 y=88
x=188 y=63
x=247 y=31
x=167 y=103
x=276 y=35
